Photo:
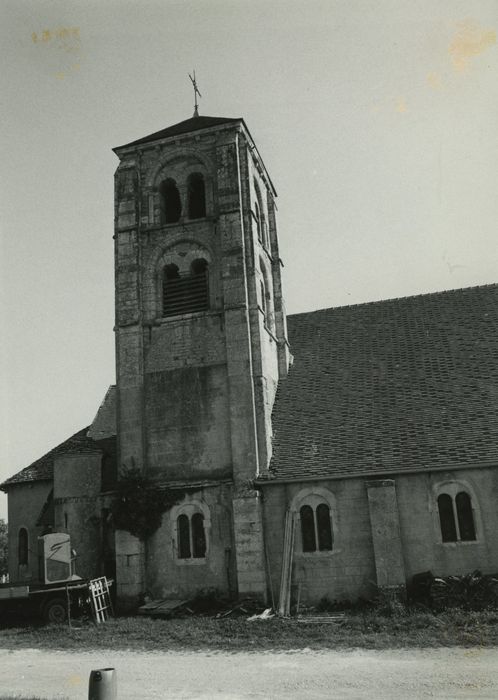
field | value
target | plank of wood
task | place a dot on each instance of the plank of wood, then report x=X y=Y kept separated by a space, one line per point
x=161 y=607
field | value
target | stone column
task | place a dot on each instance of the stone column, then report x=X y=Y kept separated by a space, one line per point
x=384 y=521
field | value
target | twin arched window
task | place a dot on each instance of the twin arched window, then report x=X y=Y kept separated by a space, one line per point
x=188 y=293
x=456 y=517
x=171 y=201
x=191 y=536
x=316 y=528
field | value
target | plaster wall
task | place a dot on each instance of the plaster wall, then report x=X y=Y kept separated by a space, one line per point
x=420 y=529
x=77 y=483
x=345 y=573
x=187 y=423
x=168 y=576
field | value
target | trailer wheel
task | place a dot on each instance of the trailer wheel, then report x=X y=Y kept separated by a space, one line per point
x=54 y=611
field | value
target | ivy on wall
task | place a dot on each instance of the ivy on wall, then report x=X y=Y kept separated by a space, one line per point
x=139 y=504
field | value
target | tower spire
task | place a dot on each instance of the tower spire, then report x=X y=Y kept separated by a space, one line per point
x=196 y=92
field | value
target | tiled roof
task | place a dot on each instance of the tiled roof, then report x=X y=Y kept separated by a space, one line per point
x=104 y=423
x=43 y=468
x=391 y=386
x=188 y=125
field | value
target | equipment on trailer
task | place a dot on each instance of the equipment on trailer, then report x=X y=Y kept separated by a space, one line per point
x=59 y=592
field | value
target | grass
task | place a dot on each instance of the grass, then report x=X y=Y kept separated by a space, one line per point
x=368 y=630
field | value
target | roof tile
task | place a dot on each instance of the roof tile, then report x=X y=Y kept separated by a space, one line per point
x=390 y=386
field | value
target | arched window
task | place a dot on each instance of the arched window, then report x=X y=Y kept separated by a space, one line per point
x=266 y=303
x=456 y=517
x=316 y=528
x=171 y=205
x=188 y=293
x=183 y=532
x=23 y=549
x=191 y=536
x=259 y=227
x=196 y=196
x=308 y=529
x=260 y=217
x=263 y=297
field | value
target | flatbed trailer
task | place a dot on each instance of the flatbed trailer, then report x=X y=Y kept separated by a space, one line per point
x=57 y=592
x=51 y=602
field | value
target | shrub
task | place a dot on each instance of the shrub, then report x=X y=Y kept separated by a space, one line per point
x=139 y=504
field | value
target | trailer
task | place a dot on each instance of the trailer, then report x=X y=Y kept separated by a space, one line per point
x=58 y=593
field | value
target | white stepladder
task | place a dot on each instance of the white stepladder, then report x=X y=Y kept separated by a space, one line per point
x=100 y=598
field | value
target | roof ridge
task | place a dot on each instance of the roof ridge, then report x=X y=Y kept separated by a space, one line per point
x=392 y=299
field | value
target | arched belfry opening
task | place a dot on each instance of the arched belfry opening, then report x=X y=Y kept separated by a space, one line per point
x=187 y=293
x=196 y=191
x=171 y=204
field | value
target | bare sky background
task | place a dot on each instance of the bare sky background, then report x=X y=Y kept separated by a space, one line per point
x=376 y=120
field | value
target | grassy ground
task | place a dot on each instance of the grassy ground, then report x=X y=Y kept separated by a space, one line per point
x=368 y=630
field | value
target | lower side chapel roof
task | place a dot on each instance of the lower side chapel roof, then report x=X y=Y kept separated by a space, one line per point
x=392 y=386
x=97 y=438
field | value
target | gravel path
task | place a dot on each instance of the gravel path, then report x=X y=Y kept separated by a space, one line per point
x=433 y=673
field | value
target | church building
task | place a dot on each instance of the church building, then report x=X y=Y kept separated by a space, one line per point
x=331 y=452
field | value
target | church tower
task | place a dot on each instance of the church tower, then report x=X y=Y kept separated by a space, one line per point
x=200 y=347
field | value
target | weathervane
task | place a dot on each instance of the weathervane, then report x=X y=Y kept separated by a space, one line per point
x=196 y=92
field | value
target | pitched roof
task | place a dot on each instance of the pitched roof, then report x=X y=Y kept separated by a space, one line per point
x=184 y=127
x=43 y=468
x=104 y=423
x=390 y=386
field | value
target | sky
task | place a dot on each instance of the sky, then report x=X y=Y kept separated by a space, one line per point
x=376 y=121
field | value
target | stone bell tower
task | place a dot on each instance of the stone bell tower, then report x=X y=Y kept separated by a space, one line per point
x=200 y=332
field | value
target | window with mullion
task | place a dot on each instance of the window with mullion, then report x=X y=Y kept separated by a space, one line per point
x=456 y=517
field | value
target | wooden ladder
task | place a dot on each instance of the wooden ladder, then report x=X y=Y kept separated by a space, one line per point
x=287 y=557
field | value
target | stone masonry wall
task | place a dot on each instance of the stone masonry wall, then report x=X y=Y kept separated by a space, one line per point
x=25 y=503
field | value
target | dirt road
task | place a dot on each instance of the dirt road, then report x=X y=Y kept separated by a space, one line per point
x=433 y=673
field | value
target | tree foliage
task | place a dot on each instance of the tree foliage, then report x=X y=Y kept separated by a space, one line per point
x=139 y=504
x=3 y=547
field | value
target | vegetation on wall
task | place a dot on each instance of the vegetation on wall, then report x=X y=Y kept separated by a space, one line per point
x=139 y=504
x=3 y=547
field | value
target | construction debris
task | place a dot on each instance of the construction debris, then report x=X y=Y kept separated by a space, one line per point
x=265 y=615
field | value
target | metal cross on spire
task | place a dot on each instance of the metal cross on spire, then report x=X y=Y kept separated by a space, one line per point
x=196 y=92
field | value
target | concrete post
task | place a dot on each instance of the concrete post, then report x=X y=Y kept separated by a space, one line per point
x=383 y=507
x=249 y=546
x=130 y=574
